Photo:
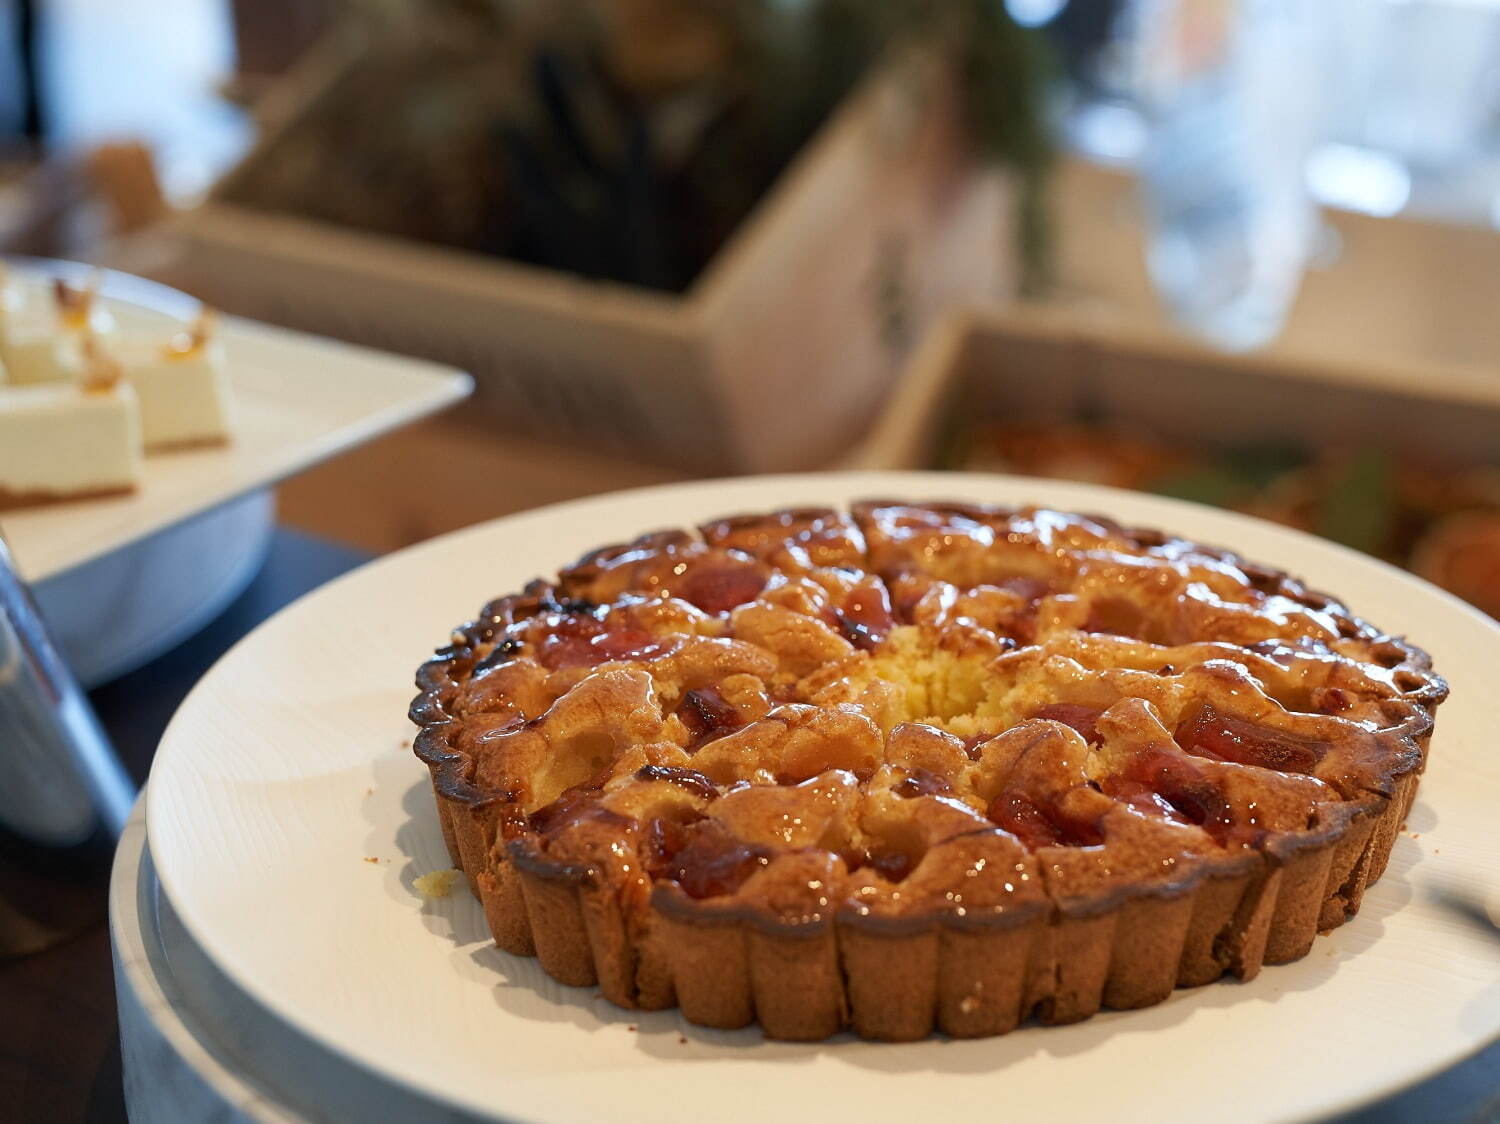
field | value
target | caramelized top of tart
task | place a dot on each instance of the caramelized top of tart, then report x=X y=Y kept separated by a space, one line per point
x=908 y=709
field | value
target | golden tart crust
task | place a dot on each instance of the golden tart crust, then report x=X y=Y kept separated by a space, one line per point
x=918 y=766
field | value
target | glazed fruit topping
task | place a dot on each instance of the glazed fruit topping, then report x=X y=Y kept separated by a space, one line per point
x=585 y=642
x=1142 y=798
x=1208 y=732
x=1040 y=823
x=1080 y=718
x=893 y=866
x=690 y=779
x=866 y=618
x=1331 y=700
x=575 y=806
x=703 y=858
x=922 y=782
x=717 y=587
x=1183 y=785
x=707 y=714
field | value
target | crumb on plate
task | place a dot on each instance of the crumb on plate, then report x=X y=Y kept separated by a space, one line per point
x=438 y=884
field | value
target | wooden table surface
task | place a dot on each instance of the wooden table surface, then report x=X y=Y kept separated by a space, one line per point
x=59 y=1041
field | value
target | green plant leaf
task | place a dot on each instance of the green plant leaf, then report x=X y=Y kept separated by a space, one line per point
x=1358 y=508
x=1217 y=485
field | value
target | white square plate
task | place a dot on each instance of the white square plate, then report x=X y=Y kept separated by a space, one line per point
x=298 y=400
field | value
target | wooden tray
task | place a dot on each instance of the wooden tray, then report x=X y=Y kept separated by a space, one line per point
x=776 y=357
x=1032 y=364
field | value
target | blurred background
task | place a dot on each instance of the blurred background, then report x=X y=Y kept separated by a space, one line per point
x=1241 y=251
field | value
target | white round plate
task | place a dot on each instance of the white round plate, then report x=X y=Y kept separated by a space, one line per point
x=288 y=821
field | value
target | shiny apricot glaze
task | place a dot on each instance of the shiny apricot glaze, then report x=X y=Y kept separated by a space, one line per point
x=915 y=712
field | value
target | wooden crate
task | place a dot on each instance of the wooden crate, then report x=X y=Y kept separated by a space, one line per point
x=777 y=357
x=1029 y=364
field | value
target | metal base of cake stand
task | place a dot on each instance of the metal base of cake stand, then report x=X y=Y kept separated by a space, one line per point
x=196 y=1048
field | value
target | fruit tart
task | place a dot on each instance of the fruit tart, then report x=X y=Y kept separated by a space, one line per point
x=910 y=767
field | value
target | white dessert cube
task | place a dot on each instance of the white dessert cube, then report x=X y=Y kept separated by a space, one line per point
x=63 y=440
x=42 y=328
x=183 y=389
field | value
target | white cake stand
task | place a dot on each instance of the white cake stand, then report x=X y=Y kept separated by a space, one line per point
x=196 y=1049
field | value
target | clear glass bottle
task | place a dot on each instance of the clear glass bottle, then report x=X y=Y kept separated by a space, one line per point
x=1234 y=95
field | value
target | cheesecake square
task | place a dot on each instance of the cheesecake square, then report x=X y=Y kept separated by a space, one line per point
x=183 y=387
x=63 y=441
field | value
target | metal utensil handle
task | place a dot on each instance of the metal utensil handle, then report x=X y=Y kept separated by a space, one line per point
x=60 y=781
